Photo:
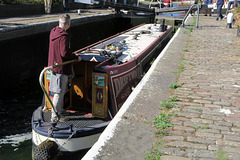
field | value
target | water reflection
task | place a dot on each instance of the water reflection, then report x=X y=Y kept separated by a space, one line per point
x=22 y=152
x=172 y=14
x=177 y=14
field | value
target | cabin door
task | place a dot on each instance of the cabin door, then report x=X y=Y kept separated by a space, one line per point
x=100 y=95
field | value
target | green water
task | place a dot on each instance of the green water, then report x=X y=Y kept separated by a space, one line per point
x=22 y=152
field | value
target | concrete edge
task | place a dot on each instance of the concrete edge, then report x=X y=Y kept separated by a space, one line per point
x=109 y=131
x=35 y=28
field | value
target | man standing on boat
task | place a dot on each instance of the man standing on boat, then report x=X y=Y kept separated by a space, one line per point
x=59 y=52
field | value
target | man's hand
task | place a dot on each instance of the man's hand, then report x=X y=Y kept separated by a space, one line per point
x=79 y=58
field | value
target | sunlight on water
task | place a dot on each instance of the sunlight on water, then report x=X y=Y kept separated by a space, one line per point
x=16 y=147
x=15 y=140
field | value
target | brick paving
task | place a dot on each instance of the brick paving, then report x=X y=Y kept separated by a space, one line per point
x=207 y=125
x=208 y=121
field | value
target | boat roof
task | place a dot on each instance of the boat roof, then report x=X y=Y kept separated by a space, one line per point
x=125 y=46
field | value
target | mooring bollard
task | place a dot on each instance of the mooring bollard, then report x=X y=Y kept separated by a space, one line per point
x=163 y=27
x=229 y=20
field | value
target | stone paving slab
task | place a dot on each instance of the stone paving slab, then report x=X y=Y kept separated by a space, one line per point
x=207 y=125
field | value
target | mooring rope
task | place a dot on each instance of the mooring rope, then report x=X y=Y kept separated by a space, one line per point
x=50 y=134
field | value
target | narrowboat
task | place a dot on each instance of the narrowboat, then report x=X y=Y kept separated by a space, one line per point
x=110 y=70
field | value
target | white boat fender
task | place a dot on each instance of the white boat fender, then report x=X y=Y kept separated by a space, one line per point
x=229 y=20
x=47 y=150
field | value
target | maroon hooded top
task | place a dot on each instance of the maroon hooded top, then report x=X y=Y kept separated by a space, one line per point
x=59 y=50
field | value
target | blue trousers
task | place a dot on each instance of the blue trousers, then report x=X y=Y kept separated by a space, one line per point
x=219 y=10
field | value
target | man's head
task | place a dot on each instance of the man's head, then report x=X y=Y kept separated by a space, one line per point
x=64 y=21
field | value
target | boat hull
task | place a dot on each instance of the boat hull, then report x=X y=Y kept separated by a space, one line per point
x=69 y=136
x=67 y=145
x=124 y=78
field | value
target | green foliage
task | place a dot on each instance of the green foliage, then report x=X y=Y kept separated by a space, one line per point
x=150 y=65
x=174 y=86
x=172 y=99
x=152 y=61
x=169 y=103
x=181 y=65
x=201 y=127
x=198 y=109
x=182 y=58
x=146 y=122
x=194 y=21
x=190 y=29
x=154 y=155
x=162 y=123
x=236 y=13
x=221 y=155
x=180 y=69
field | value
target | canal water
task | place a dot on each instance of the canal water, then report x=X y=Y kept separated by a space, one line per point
x=21 y=63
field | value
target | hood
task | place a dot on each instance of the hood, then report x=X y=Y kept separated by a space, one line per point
x=57 y=32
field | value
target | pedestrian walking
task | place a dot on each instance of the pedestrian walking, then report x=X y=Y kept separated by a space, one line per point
x=220 y=4
x=59 y=52
x=48 y=5
x=208 y=11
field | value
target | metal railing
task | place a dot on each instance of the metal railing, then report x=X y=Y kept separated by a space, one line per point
x=189 y=11
x=43 y=87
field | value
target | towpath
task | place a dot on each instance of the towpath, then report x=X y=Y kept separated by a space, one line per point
x=207 y=112
x=23 y=20
x=16 y=27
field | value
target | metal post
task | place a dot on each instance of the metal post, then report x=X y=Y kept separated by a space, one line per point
x=150 y=4
x=160 y=4
x=197 y=16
